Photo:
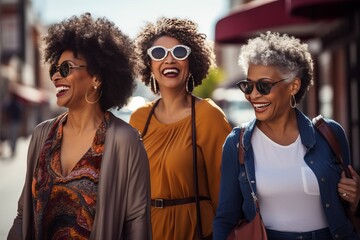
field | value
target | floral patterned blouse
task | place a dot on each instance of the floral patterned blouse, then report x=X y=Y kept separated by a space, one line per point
x=64 y=206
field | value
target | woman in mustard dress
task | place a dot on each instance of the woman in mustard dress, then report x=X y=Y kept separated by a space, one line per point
x=173 y=59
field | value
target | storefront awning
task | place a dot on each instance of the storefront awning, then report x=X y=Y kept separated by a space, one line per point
x=28 y=94
x=317 y=9
x=258 y=16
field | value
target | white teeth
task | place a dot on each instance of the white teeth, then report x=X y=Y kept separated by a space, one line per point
x=170 y=70
x=261 y=105
x=62 y=88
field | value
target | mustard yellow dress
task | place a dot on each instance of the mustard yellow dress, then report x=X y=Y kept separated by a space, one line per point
x=169 y=149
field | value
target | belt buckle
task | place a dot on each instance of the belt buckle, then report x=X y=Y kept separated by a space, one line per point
x=159 y=203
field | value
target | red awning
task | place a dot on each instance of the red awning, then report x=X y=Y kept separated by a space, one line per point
x=317 y=9
x=259 y=16
x=27 y=93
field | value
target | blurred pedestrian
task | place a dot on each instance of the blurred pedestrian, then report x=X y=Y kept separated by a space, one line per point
x=13 y=117
x=291 y=168
x=174 y=58
x=88 y=172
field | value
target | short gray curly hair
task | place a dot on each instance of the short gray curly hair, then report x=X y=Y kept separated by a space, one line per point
x=285 y=53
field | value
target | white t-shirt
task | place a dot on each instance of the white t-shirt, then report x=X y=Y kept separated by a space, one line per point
x=287 y=188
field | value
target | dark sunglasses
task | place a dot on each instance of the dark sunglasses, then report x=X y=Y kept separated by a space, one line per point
x=263 y=85
x=63 y=68
x=159 y=53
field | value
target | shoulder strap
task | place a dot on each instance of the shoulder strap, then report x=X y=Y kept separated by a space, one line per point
x=329 y=135
x=241 y=147
x=149 y=118
x=196 y=182
x=242 y=162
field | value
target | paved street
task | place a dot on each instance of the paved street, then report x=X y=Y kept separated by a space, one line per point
x=12 y=175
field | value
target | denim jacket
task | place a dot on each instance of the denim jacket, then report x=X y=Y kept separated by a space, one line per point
x=235 y=200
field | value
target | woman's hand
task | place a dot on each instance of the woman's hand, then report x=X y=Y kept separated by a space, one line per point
x=349 y=189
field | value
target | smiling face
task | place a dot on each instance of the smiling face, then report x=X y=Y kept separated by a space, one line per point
x=170 y=74
x=72 y=88
x=277 y=103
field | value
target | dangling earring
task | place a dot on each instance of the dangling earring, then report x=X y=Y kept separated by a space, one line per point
x=190 y=83
x=292 y=101
x=153 y=84
x=86 y=96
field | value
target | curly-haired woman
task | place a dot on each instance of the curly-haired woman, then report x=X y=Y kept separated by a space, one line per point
x=88 y=172
x=300 y=187
x=173 y=59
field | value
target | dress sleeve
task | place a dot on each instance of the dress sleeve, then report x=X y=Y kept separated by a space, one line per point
x=212 y=130
x=138 y=117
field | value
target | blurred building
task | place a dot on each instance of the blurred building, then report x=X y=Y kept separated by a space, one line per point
x=20 y=59
x=332 y=30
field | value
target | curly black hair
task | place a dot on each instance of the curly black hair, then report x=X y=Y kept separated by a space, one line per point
x=186 y=32
x=286 y=53
x=108 y=52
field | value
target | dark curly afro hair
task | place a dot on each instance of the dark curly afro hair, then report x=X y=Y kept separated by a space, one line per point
x=186 y=32
x=108 y=52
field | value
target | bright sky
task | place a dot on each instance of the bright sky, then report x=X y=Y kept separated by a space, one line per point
x=130 y=15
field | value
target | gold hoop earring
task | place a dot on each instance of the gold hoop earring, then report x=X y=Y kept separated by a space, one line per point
x=292 y=101
x=90 y=102
x=190 y=83
x=153 y=84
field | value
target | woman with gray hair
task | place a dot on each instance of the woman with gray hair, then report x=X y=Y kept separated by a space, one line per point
x=300 y=188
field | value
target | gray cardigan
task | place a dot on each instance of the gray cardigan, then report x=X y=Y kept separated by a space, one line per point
x=123 y=202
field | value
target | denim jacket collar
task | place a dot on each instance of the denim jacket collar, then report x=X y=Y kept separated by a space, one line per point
x=306 y=130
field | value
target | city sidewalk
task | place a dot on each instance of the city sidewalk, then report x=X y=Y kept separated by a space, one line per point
x=12 y=175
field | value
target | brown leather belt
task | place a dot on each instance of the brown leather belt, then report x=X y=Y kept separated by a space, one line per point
x=161 y=203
